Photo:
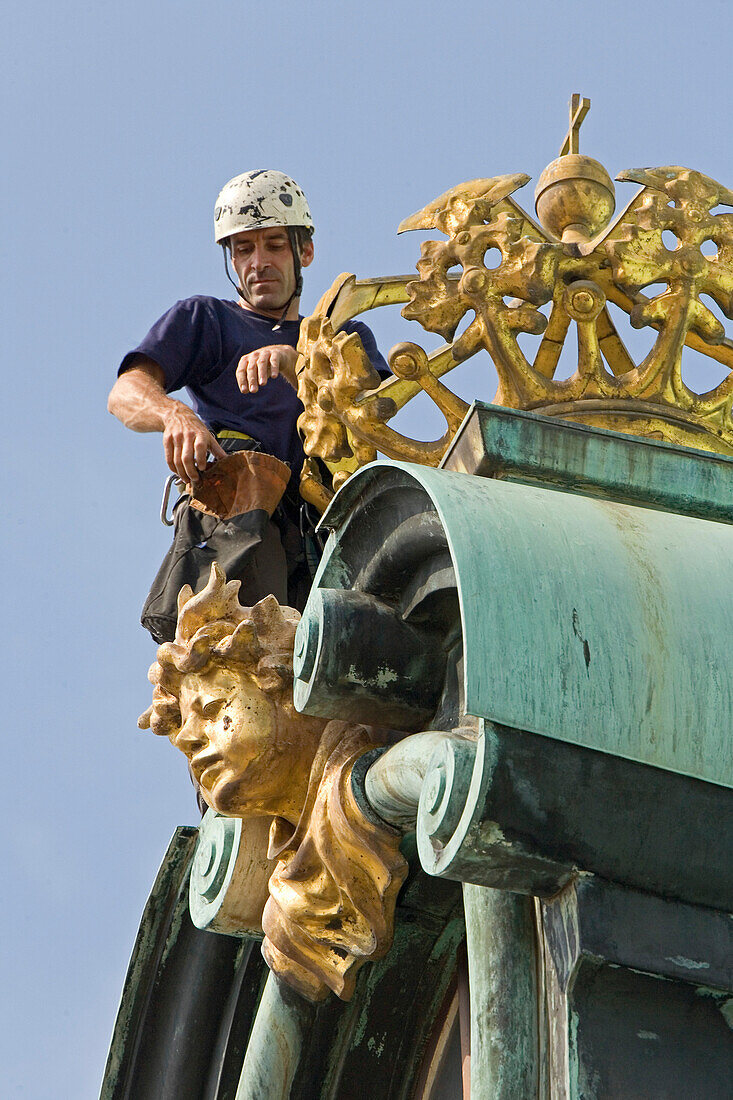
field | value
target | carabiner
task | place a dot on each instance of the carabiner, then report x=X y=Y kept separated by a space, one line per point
x=166 y=497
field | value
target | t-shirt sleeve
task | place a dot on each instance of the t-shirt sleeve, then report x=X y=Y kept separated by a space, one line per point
x=370 y=347
x=185 y=343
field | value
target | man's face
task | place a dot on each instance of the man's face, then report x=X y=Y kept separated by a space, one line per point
x=263 y=260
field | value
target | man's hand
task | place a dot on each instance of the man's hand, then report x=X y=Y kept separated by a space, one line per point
x=139 y=400
x=257 y=368
x=187 y=442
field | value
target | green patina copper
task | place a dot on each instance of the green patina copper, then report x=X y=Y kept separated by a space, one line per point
x=275 y=1045
x=586 y=619
x=533 y=449
x=503 y=974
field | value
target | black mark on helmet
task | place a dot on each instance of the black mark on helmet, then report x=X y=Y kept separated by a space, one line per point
x=253 y=209
x=286 y=200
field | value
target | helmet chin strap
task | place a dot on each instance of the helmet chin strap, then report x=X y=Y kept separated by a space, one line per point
x=297 y=272
x=236 y=286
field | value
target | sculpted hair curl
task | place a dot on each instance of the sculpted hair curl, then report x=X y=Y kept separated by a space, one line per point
x=214 y=629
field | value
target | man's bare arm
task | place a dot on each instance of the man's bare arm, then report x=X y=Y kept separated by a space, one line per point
x=139 y=400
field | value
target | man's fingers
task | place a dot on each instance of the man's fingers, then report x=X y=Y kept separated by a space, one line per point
x=187 y=443
x=169 y=454
x=264 y=368
x=175 y=463
x=253 y=376
x=246 y=379
x=216 y=449
x=184 y=452
x=241 y=374
x=200 y=451
x=257 y=368
x=188 y=462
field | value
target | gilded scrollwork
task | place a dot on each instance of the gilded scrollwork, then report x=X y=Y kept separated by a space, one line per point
x=680 y=202
x=578 y=260
x=338 y=374
x=223 y=695
x=525 y=275
x=347 y=405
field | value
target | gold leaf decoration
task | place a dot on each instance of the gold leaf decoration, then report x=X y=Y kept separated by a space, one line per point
x=579 y=261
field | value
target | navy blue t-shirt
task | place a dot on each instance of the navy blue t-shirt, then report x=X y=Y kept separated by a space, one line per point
x=198 y=344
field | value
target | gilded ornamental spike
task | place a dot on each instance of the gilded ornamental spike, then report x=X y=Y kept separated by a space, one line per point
x=578 y=259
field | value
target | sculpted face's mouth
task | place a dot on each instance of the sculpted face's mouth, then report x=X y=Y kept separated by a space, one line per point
x=204 y=764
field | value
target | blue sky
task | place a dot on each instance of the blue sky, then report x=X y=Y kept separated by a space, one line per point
x=120 y=125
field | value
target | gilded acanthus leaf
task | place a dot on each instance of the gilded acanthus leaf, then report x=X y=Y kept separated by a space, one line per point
x=336 y=372
x=503 y=297
x=449 y=211
x=439 y=300
x=346 y=409
x=678 y=202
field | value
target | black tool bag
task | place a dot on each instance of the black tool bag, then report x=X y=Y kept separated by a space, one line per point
x=248 y=547
x=263 y=552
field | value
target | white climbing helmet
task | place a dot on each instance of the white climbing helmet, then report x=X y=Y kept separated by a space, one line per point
x=260 y=200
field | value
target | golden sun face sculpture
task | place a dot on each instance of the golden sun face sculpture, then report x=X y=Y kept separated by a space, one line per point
x=223 y=695
x=576 y=259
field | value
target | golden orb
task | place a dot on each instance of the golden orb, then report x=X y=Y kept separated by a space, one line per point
x=575 y=198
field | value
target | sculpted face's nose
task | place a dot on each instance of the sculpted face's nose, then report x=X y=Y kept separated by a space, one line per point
x=190 y=738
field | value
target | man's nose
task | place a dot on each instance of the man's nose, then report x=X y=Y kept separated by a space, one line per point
x=260 y=257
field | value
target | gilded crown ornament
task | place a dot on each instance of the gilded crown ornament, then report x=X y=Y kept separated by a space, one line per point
x=577 y=258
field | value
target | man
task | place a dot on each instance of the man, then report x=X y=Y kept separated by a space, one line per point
x=237 y=361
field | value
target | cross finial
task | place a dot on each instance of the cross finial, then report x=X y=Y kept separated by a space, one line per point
x=579 y=108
